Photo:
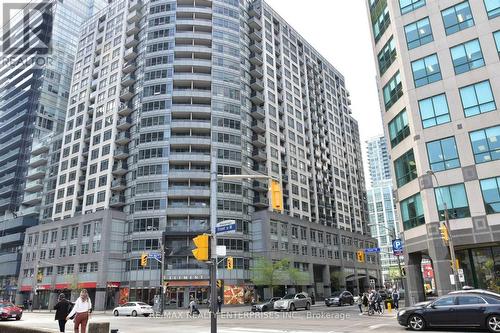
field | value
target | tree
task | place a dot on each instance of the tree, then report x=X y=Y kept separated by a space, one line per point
x=336 y=278
x=268 y=273
x=297 y=277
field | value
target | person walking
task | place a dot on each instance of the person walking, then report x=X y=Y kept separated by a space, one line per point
x=30 y=305
x=63 y=308
x=219 y=303
x=360 y=304
x=395 y=298
x=193 y=307
x=365 y=300
x=82 y=309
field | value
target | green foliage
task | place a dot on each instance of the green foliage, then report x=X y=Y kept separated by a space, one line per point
x=265 y=272
x=336 y=278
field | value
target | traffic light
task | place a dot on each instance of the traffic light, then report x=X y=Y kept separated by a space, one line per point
x=202 y=243
x=276 y=196
x=360 y=256
x=144 y=259
x=444 y=233
x=219 y=283
x=229 y=263
x=39 y=276
x=457 y=266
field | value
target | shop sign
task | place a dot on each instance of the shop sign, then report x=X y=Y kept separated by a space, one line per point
x=187 y=277
x=113 y=284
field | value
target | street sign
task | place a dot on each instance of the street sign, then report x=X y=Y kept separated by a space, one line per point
x=226 y=227
x=156 y=256
x=372 y=250
x=397 y=247
x=461 y=275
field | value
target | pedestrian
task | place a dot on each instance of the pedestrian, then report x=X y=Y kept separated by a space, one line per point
x=82 y=309
x=395 y=298
x=30 y=305
x=219 y=303
x=365 y=300
x=193 y=307
x=63 y=308
x=360 y=304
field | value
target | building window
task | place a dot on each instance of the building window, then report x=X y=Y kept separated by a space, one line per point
x=491 y=194
x=392 y=91
x=398 y=128
x=387 y=56
x=418 y=33
x=455 y=198
x=434 y=111
x=412 y=212
x=477 y=98
x=410 y=5
x=496 y=35
x=443 y=154
x=405 y=168
x=380 y=19
x=467 y=56
x=457 y=18
x=486 y=144
x=426 y=70
x=492 y=8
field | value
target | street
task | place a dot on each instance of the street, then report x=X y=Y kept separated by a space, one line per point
x=320 y=319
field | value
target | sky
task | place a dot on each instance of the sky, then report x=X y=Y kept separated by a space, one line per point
x=339 y=30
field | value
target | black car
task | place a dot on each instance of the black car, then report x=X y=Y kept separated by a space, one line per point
x=339 y=298
x=267 y=305
x=471 y=308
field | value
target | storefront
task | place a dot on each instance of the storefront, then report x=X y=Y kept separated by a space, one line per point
x=179 y=293
x=481 y=267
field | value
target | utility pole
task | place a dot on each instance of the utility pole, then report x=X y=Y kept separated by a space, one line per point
x=213 y=224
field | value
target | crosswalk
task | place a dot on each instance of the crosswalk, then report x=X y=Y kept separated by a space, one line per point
x=263 y=330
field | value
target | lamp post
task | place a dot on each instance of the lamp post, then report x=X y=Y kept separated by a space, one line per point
x=447 y=225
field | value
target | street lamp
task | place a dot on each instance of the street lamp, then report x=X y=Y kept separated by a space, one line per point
x=447 y=225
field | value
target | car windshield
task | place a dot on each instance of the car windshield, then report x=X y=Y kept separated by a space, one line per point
x=4 y=305
x=336 y=294
x=289 y=296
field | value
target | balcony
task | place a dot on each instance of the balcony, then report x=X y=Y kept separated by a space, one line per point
x=122 y=138
x=255 y=35
x=255 y=23
x=124 y=109
x=132 y=29
x=128 y=80
x=258 y=140
x=86 y=138
x=34 y=185
x=88 y=123
x=254 y=11
x=126 y=94
x=129 y=67
x=38 y=160
x=81 y=179
x=37 y=173
x=134 y=5
x=80 y=194
x=33 y=199
x=260 y=186
x=90 y=111
x=124 y=123
x=134 y=16
x=40 y=147
x=121 y=153
x=120 y=168
x=256 y=71
x=256 y=47
x=259 y=155
x=260 y=202
x=130 y=54
x=257 y=98
x=31 y=211
x=118 y=184
x=257 y=84
x=258 y=126
x=85 y=151
x=256 y=59
x=117 y=201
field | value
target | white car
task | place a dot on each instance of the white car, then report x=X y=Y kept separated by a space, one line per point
x=133 y=309
x=292 y=302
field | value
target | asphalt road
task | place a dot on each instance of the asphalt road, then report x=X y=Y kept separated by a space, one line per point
x=320 y=319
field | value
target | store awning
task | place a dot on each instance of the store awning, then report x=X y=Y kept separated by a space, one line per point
x=26 y=288
x=89 y=285
x=61 y=286
x=197 y=283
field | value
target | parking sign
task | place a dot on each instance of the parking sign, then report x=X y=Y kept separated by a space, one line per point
x=397 y=247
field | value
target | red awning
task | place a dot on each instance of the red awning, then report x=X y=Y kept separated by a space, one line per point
x=198 y=283
x=26 y=288
x=61 y=286
x=43 y=287
x=88 y=285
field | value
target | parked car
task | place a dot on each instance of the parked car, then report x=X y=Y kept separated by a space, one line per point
x=292 y=302
x=9 y=310
x=340 y=298
x=460 y=309
x=133 y=309
x=267 y=305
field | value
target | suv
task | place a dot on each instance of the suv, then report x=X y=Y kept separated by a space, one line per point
x=292 y=302
x=339 y=298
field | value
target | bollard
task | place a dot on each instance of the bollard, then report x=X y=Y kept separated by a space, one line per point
x=98 y=327
x=389 y=307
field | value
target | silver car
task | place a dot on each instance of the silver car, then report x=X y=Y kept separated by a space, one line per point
x=292 y=302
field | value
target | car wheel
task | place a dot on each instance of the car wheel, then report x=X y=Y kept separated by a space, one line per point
x=264 y=309
x=18 y=317
x=308 y=306
x=292 y=307
x=493 y=323
x=416 y=323
x=328 y=305
x=352 y=302
x=116 y=313
x=134 y=313
x=146 y=315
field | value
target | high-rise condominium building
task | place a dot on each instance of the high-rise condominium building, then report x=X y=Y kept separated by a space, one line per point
x=382 y=214
x=438 y=65
x=38 y=54
x=159 y=90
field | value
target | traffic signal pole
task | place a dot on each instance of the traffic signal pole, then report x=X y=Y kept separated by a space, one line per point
x=213 y=252
x=451 y=247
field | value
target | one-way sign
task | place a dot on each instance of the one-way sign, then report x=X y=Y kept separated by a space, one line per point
x=225 y=227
